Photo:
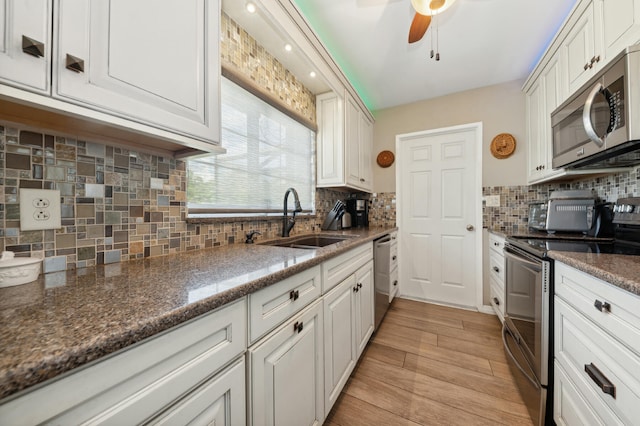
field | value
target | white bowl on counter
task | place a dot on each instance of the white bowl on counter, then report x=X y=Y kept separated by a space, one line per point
x=18 y=270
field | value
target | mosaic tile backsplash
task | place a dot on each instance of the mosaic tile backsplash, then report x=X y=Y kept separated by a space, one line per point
x=511 y=216
x=117 y=204
x=241 y=51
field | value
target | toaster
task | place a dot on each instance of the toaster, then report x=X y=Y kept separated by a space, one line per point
x=570 y=211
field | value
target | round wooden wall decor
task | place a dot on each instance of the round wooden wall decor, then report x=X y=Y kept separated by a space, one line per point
x=503 y=145
x=385 y=158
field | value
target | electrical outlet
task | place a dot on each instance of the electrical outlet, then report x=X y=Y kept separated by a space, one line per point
x=39 y=209
x=492 y=201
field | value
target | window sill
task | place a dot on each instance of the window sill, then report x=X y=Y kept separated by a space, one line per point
x=209 y=218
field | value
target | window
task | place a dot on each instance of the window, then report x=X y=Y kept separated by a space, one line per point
x=267 y=152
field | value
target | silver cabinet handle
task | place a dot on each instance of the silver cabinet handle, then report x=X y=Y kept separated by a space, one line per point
x=470 y=228
x=32 y=47
x=74 y=63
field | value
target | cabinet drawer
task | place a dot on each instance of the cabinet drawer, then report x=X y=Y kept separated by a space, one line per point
x=218 y=401
x=570 y=407
x=580 y=345
x=335 y=270
x=496 y=293
x=274 y=304
x=496 y=266
x=496 y=243
x=620 y=317
x=135 y=384
x=393 y=284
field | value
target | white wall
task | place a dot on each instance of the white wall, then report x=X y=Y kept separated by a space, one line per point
x=500 y=108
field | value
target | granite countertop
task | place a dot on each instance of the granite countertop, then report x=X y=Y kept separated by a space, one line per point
x=620 y=270
x=67 y=319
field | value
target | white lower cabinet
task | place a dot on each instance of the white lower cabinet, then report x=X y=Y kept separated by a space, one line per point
x=218 y=401
x=348 y=325
x=596 y=329
x=137 y=384
x=339 y=339
x=286 y=383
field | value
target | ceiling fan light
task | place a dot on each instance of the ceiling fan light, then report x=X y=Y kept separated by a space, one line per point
x=423 y=7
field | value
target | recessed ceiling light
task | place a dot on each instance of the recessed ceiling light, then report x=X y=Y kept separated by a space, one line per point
x=251 y=8
x=312 y=74
x=288 y=47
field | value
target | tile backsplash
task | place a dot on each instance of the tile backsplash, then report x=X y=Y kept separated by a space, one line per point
x=511 y=216
x=117 y=204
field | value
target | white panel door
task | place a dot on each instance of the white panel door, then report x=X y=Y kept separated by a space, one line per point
x=438 y=202
x=151 y=61
x=364 y=306
x=26 y=23
x=620 y=25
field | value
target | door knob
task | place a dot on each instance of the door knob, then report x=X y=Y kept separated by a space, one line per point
x=470 y=228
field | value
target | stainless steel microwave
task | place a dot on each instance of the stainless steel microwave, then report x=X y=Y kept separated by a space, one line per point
x=599 y=126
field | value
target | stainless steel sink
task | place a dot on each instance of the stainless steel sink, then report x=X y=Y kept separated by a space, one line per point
x=307 y=241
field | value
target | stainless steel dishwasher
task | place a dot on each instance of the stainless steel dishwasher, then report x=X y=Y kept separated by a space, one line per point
x=385 y=255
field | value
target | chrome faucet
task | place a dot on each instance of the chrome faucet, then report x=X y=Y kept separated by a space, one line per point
x=287 y=223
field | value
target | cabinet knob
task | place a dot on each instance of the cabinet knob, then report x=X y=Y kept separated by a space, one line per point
x=74 y=63
x=294 y=294
x=361 y=180
x=32 y=47
x=586 y=66
x=602 y=306
x=359 y=285
x=470 y=228
x=395 y=282
x=597 y=58
x=394 y=257
x=355 y=289
x=495 y=268
x=298 y=326
x=496 y=301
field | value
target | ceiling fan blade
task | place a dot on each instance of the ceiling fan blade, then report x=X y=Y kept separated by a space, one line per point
x=419 y=27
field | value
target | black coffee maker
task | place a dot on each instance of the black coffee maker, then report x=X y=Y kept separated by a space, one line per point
x=359 y=210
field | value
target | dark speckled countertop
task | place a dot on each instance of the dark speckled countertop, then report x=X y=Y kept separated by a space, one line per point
x=620 y=270
x=67 y=319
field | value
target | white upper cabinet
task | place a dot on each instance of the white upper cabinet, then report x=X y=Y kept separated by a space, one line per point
x=113 y=69
x=583 y=49
x=345 y=143
x=148 y=62
x=620 y=25
x=25 y=44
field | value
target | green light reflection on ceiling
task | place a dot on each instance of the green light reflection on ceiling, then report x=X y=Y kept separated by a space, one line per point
x=307 y=10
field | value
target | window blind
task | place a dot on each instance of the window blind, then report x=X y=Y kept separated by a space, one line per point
x=267 y=152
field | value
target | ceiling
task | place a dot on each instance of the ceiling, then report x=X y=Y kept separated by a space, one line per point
x=481 y=43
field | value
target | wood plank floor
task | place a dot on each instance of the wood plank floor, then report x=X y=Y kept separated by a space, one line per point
x=431 y=365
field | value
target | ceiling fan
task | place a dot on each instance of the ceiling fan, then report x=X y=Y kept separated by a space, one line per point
x=425 y=10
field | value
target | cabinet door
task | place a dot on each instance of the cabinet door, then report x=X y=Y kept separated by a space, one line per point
x=219 y=401
x=580 y=48
x=534 y=108
x=26 y=22
x=366 y=147
x=286 y=376
x=364 y=301
x=330 y=151
x=155 y=62
x=352 y=141
x=620 y=25
x=339 y=339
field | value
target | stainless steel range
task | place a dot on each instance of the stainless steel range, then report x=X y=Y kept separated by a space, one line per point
x=528 y=324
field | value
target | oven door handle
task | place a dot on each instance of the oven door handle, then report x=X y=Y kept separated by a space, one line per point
x=520 y=258
x=505 y=330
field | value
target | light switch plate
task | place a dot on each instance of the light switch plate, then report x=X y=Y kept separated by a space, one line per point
x=39 y=209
